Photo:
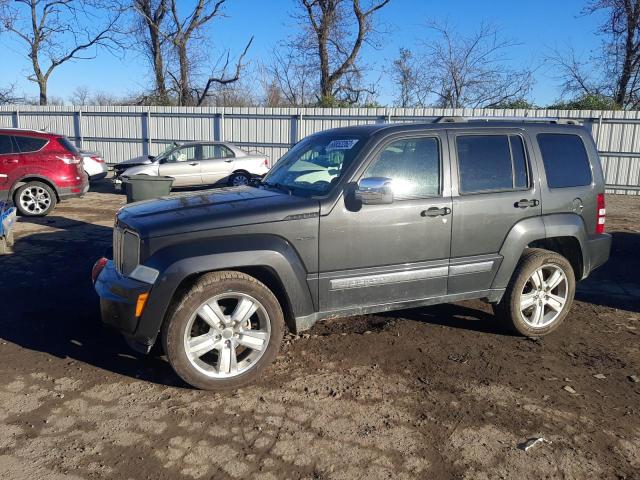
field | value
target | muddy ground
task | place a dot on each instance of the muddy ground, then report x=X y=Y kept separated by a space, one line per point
x=438 y=392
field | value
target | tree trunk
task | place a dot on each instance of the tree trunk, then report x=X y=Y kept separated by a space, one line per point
x=43 y=91
x=158 y=64
x=183 y=89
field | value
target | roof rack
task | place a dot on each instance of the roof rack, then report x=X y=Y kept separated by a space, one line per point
x=556 y=120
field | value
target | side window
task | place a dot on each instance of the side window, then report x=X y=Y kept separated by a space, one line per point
x=5 y=144
x=216 y=151
x=490 y=163
x=30 y=144
x=565 y=159
x=186 y=154
x=412 y=164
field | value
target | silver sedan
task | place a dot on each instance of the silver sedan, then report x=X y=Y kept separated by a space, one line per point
x=197 y=163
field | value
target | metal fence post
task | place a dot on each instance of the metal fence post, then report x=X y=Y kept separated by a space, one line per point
x=294 y=134
x=77 y=128
x=218 y=133
x=146 y=133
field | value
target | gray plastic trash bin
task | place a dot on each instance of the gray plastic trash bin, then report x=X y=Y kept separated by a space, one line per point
x=145 y=187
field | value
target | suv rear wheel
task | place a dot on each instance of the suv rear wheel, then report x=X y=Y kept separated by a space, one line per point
x=35 y=199
x=539 y=295
x=224 y=331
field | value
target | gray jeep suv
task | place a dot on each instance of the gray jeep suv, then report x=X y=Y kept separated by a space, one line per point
x=360 y=220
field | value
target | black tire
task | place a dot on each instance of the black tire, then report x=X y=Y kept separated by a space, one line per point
x=242 y=177
x=509 y=309
x=180 y=316
x=46 y=199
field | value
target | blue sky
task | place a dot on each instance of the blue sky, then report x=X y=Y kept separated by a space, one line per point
x=537 y=25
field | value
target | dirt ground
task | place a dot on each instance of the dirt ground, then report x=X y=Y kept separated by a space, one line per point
x=438 y=392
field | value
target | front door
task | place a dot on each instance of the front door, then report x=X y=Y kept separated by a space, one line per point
x=217 y=163
x=384 y=254
x=183 y=165
x=493 y=188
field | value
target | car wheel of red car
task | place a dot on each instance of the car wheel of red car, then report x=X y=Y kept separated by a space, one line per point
x=35 y=199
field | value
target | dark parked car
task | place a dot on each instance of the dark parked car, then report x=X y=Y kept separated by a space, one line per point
x=360 y=220
x=38 y=169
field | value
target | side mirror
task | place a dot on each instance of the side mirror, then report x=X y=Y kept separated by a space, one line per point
x=374 y=191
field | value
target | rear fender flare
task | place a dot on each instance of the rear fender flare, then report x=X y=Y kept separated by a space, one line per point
x=538 y=228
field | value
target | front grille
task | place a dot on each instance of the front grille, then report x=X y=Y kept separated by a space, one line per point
x=126 y=250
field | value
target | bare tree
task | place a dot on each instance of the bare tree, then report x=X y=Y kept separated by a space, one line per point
x=470 y=71
x=7 y=95
x=152 y=16
x=184 y=33
x=332 y=34
x=80 y=96
x=58 y=31
x=612 y=73
x=291 y=75
x=405 y=75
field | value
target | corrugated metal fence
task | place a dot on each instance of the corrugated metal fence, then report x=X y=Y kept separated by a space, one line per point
x=124 y=132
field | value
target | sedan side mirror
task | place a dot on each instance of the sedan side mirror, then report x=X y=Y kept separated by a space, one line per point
x=374 y=191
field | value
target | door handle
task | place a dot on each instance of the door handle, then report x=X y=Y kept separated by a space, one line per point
x=11 y=160
x=524 y=203
x=435 y=212
x=228 y=160
x=193 y=164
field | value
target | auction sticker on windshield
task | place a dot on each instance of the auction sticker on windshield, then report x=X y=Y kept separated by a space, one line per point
x=341 y=144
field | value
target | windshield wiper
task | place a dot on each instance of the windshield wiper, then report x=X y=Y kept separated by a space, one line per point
x=278 y=186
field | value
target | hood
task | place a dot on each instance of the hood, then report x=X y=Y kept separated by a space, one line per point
x=210 y=209
x=150 y=169
x=141 y=160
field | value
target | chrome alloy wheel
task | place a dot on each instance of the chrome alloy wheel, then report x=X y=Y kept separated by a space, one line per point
x=239 y=180
x=35 y=200
x=544 y=296
x=227 y=335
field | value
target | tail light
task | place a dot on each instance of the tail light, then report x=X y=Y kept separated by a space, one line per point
x=601 y=216
x=97 y=159
x=266 y=162
x=70 y=159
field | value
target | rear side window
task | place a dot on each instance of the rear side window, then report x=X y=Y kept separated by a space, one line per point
x=565 y=160
x=216 y=151
x=68 y=146
x=5 y=144
x=412 y=164
x=30 y=144
x=490 y=163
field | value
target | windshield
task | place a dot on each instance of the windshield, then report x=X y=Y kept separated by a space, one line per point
x=314 y=164
x=167 y=151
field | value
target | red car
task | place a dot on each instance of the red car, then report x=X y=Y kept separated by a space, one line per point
x=39 y=169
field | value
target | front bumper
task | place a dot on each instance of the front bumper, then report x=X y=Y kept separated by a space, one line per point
x=118 y=296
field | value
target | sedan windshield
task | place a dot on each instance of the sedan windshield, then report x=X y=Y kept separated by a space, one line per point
x=314 y=165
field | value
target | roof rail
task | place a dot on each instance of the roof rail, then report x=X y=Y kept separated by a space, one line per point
x=556 y=120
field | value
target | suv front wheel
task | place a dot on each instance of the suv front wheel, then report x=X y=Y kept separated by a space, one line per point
x=539 y=295
x=224 y=331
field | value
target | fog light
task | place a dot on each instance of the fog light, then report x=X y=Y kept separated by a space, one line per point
x=97 y=268
x=142 y=301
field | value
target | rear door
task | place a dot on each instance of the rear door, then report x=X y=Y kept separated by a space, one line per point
x=217 y=163
x=183 y=165
x=493 y=188
x=9 y=161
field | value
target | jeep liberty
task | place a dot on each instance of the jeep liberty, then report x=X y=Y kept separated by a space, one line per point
x=360 y=220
